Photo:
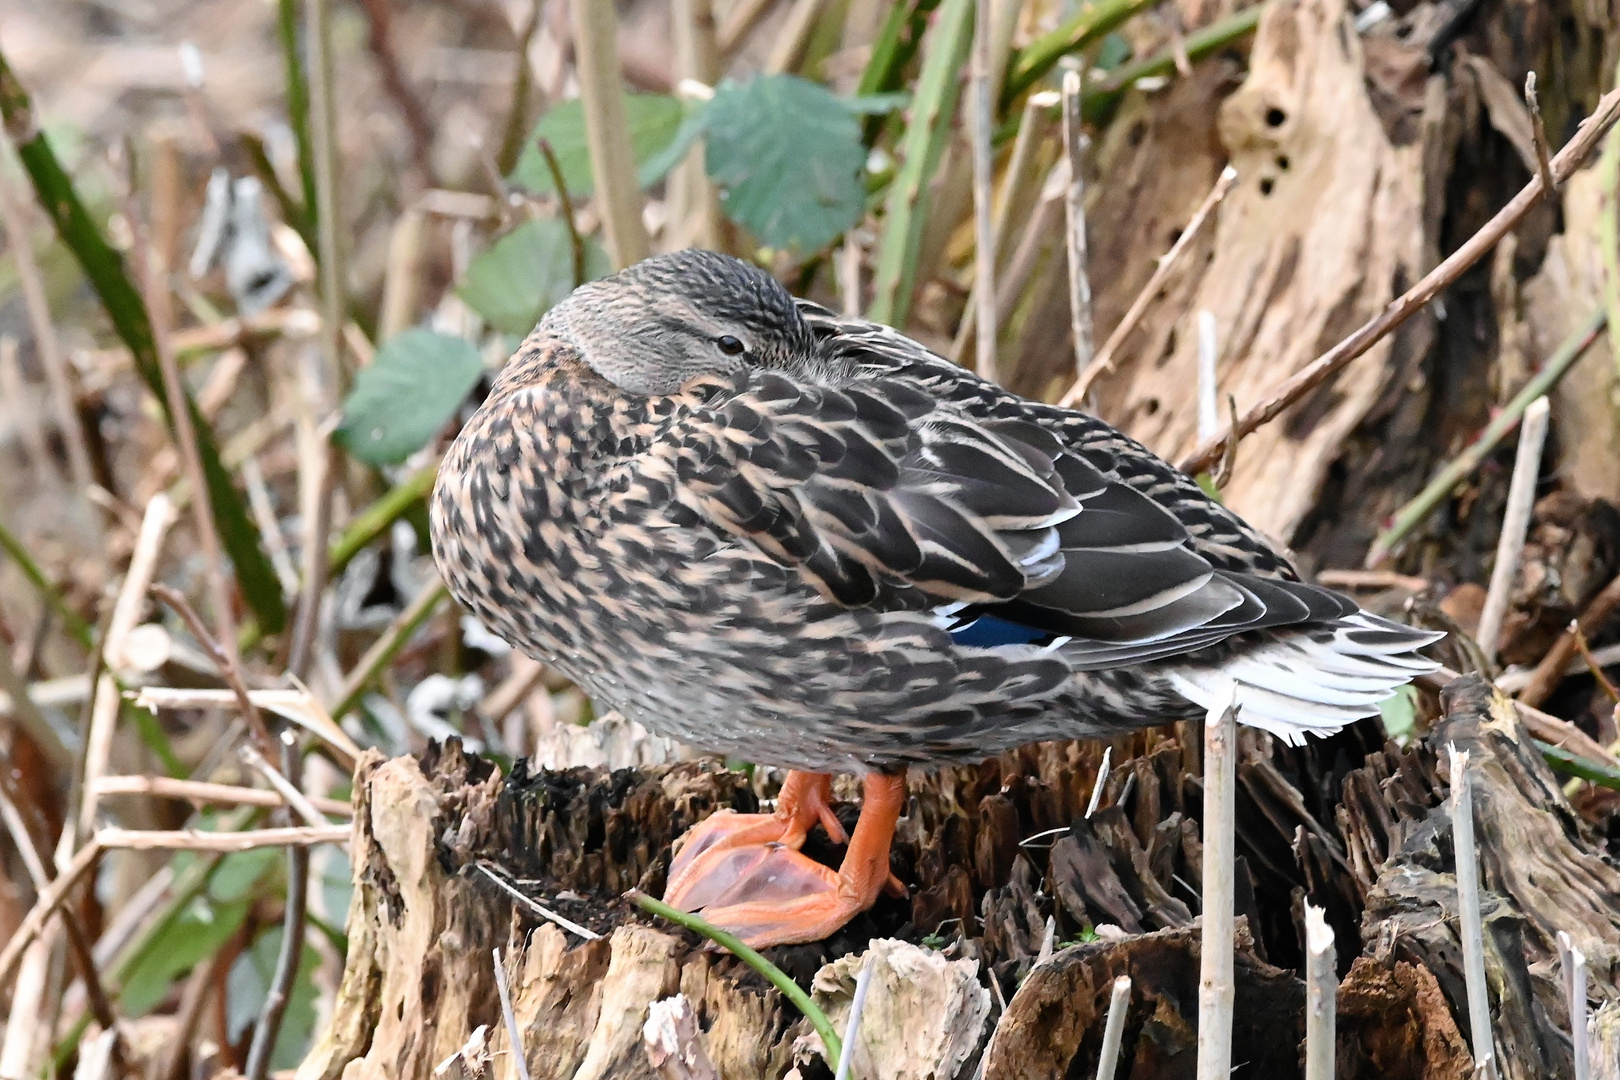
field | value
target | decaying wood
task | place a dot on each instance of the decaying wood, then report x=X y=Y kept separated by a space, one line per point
x=1351 y=824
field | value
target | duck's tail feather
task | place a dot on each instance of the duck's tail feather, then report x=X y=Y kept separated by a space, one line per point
x=1315 y=680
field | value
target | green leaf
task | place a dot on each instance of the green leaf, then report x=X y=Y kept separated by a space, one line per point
x=1400 y=712
x=248 y=984
x=104 y=268
x=653 y=120
x=787 y=155
x=239 y=872
x=186 y=941
x=407 y=394
x=524 y=273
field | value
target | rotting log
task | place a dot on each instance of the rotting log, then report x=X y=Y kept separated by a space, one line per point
x=1349 y=823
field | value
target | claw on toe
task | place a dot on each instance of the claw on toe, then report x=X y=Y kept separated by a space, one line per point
x=744 y=873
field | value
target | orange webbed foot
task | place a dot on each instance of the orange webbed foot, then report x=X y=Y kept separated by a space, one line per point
x=766 y=892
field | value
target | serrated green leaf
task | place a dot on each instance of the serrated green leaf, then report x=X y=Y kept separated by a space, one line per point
x=406 y=395
x=787 y=156
x=248 y=984
x=524 y=273
x=186 y=941
x=653 y=120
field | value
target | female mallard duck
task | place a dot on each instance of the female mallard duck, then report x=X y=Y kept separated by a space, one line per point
x=809 y=542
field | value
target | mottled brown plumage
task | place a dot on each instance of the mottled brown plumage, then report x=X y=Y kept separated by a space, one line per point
x=809 y=542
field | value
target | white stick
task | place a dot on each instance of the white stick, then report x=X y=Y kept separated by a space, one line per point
x=520 y=1062
x=984 y=255
x=1573 y=961
x=537 y=907
x=1074 y=202
x=1321 y=995
x=1102 y=778
x=1515 y=523
x=852 y=1027
x=1209 y=415
x=1216 y=968
x=1473 y=933
x=1119 y=1002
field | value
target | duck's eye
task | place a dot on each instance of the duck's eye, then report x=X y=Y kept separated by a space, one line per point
x=729 y=345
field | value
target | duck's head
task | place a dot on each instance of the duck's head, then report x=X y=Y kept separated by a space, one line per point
x=654 y=326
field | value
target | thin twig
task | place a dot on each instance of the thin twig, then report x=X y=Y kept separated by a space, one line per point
x=1472 y=932
x=417 y=120
x=264 y=516
x=1436 y=281
x=1074 y=205
x=1216 y=968
x=832 y=1045
x=613 y=165
x=292 y=919
x=228 y=666
x=39 y=871
x=1550 y=672
x=1515 y=523
x=1104 y=360
x=1097 y=786
x=981 y=120
x=857 y=1005
x=1436 y=491
x=1119 y=1004
x=387 y=646
x=290 y=794
x=788 y=49
x=565 y=203
x=197 y=791
x=1538 y=130
x=195 y=840
x=740 y=22
x=520 y=1060
x=517 y=114
x=1593 y=666
x=1573 y=963
x=48 y=901
x=535 y=906
x=1321 y=995
x=156 y=296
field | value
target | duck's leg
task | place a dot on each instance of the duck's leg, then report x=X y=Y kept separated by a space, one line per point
x=726 y=846
x=781 y=897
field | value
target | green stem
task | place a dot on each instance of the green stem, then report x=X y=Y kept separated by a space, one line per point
x=1200 y=44
x=385 y=648
x=36 y=576
x=895 y=47
x=773 y=974
x=1090 y=23
x=1582 y=767
x=298 y=109
x=375 y=519
x=1414 y=513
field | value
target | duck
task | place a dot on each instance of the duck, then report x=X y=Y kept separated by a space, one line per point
x=804 y=540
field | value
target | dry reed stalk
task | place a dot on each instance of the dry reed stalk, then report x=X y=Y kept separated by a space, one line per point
x=1436 y=281
x=1515 y=523
x=198 y=791
x=1104 y=360
x=293 y=926
x=291 y=795
x=112 y=838
x=264 y=516
x=613 y=165
x=520 y=1061
x=740 y=22
x=1471 y=931
x=229 y=667
x=693 y=199
x=984 y=248
x=1573 y=963
x=849 y=275
x=1538 y=131
x=1074 y=205
x=402 y=274
x=787 y=52
x=1321 y=995
x=1217 y=950
x=1119 y=1002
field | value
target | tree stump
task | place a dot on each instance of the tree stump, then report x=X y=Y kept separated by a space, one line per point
x=993 y=856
